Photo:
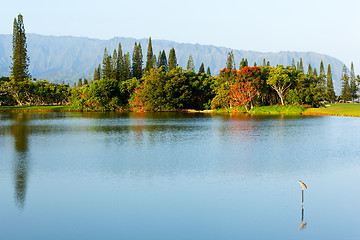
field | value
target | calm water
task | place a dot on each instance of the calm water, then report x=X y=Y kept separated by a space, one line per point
x=178 y=176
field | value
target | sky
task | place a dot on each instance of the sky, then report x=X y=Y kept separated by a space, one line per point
x=324 y=26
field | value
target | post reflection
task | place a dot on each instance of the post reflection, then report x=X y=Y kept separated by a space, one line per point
x=303 y=223
x=20 y=131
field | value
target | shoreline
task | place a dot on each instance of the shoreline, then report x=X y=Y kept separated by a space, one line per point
x=343 y=110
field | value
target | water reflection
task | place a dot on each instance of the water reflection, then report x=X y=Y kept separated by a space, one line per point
x=303 y=223
x=20 y=131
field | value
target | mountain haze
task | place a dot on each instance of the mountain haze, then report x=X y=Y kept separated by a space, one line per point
x=67 y=58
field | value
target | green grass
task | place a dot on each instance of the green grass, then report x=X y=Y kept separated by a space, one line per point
x=275 y=109
x=339 y=109
x=49 y=108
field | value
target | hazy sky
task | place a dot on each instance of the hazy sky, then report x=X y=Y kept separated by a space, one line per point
x=330 y=27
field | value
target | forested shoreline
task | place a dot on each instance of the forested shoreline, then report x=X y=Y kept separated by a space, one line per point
x=122 y=82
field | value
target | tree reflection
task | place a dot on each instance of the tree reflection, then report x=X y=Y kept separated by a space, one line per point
x=20 y=131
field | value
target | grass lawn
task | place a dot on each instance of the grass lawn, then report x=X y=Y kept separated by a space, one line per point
x=276 y=109
x=339 y=109
x=49 y=108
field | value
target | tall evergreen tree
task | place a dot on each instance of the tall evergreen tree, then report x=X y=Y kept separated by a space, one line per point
x=80 y=82
x=322 y=69
x=119 y=63
x=208 y=71
x=310 y=70
x=162 y=60
x=202 y=68
x=230 y=62
x=243 y=63
x=322 y=80
x=315 y=72
x=127 y=67
x=330 y=86
x=106 y=66
x=172 y=60
x=137 y=61
x=255 y=64
x=353 y=86
x=190 y=64
x=114 y=74
x=149 y=57
x=345 y=92
x=99 y=71
x=268 y=64
x=96 y=75
x=264 y=63
x=293 y=63
x=20 y=60
x=301 y=66
x=154 y=62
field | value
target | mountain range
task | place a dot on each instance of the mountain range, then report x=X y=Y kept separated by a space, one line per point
x=68 y=58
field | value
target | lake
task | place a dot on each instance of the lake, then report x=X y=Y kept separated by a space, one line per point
x=178 y=176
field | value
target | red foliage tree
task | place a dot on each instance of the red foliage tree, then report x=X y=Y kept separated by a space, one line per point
x=245 y=87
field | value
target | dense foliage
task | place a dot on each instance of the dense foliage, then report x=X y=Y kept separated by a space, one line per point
x=28 y=92
x=122 y=83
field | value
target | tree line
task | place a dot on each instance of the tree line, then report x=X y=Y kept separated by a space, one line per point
x=123 y=82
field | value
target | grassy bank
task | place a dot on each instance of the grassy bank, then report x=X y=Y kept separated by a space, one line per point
x=36 y=108
x=275 y=109
x=339 y=109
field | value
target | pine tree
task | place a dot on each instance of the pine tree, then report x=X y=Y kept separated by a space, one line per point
x=162 y=61
x=315 y=72
x=149 y=57
x=190 y=64
x=172 y=60
x=96 y=76
x=293 y=63
x=20 y=60
x=330 y=86
x=243 y=63
x=255 y=64
x=80 y=83
x=268 y=64
x=322 y=81
x=114 y=74
x=137 y=61
x=106 y=66
x=119 y=63
x=154 y=62
x=345 y=92
x=264 y=63
x=127 y=67
x=310 y=70
x=353 y=86
x=208 y=72
x=99 y=71
x=301 y=67
x=202 y=68
x=230 y=62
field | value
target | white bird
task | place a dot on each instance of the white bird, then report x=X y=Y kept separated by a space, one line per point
x=303 y=185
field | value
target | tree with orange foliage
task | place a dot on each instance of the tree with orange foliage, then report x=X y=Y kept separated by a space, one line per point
x=245 y=87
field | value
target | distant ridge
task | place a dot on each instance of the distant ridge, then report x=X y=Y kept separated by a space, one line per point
x=68 y=58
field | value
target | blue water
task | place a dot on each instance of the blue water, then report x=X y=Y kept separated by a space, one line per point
x=178 y=176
